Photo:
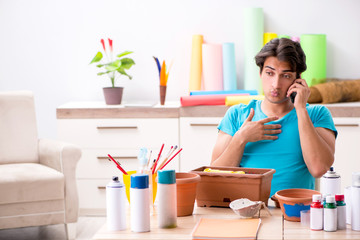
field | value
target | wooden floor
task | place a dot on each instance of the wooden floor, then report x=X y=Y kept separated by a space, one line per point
x=86 y=228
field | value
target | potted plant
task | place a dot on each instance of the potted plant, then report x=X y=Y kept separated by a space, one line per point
x=114 y=68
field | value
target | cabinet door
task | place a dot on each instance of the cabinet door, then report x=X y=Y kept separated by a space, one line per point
x=119 y=133
x=94 y=163
x=347 y=149
x=197 y=138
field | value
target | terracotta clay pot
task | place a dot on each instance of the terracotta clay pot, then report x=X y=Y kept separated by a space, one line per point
x=186 y=192
x=292 y=201
x=113 y=95
x=162 y=94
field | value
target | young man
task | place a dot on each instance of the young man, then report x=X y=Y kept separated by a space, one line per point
x=295 y=139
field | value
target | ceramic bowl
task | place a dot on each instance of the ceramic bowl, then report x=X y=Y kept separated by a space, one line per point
x=245 y=208
x=293 y=201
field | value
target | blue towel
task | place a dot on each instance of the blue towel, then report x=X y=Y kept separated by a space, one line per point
x=251 y=92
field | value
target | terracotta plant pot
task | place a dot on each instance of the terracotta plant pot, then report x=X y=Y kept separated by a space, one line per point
x=186 y=192
x=113 y=95
x=220 y=188
x=162 y=94
x=292 y=201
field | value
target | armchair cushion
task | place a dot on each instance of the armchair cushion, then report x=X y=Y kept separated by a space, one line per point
x=18 y=138
x=30 y=182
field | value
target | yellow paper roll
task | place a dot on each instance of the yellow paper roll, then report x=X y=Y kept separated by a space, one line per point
x=268 y=37
x=233 y=100
x=196 y=63
x=222 y=171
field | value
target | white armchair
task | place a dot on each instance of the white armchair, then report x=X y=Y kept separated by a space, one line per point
x=37 y=176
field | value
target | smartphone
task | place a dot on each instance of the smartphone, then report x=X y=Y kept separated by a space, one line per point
x=293 y=95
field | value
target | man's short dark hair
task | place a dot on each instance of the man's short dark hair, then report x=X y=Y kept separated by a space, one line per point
x=285 y=50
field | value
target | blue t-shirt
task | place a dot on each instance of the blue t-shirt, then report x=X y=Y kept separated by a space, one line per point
x=283 y=154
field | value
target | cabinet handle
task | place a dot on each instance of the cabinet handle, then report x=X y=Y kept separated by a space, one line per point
x=101 y=187
x=116 y=157
x=116 y=127
x=347 y=125
x=204 y=124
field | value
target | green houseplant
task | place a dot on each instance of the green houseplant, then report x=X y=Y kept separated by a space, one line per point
x=113 y=67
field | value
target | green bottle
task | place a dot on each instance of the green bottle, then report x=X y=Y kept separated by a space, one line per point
x=330 y=214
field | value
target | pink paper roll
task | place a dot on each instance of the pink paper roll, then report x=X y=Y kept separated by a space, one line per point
x=205 y=99
x=212 y=67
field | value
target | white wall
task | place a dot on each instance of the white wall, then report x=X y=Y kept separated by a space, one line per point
x=46 y=45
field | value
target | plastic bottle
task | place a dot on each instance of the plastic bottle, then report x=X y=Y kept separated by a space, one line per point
x=330 y=214
x=143 y=168
x=167 y=207
x=330 y=183
x=341 y=212
x=143 y=160
x=139 y=203
x=316 y=213
x=324 y=199
x=115 y=205
x=355 y=202
x=347 y=193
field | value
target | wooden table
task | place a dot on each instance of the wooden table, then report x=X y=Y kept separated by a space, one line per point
x=294 y=230
x=272 y=227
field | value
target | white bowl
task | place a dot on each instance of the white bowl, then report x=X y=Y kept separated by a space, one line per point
x=246 y=208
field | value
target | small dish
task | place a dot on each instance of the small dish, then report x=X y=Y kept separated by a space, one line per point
x=246 y=208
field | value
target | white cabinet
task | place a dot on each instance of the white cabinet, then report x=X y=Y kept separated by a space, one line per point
x=121 y=138
x=100 y=130
x=347 y=149
x=197 y=138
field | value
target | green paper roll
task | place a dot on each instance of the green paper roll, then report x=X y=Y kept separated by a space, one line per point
x=253 y=27
x=284 y=36
x=314 y=46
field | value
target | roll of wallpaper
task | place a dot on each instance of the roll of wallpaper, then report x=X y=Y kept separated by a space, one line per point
x=336 y=91
x=205 y=99
x=196 y=63
x=229 y=66
x=253 y=27
x=283 y=36
x=314 y=46
x=249 y=92
x=295 y=39
x=268 y=36
x=212 y=67
x=233 y=100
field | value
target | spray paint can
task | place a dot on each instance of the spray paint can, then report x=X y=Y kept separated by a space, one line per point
x=316 y=213
x=355 y=202
x=341 y=212
x=330 y=183
x=115 y=205
x=330 y=214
